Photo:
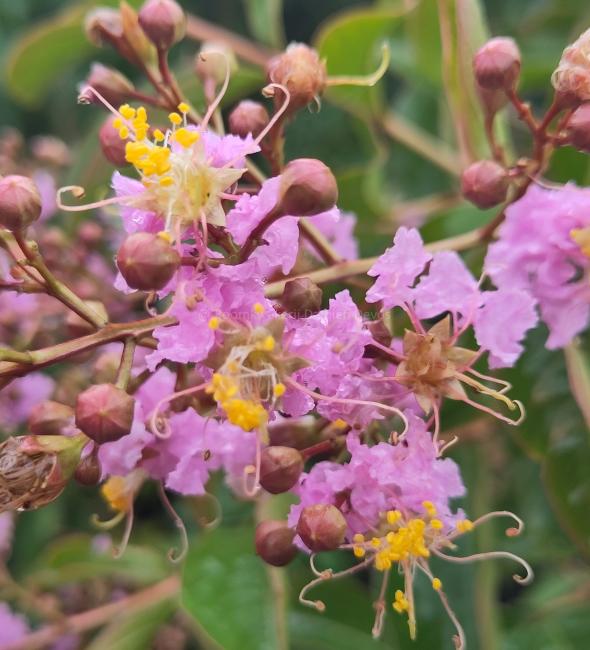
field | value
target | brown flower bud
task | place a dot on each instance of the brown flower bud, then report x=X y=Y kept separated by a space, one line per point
x=34 y=470
x=301 y=71
x=103 y=26
x=299 y=434
x=578 y=128
x=50 y=418
x=147 y=261
x=280 y=469
x=20 y=202
x=104 y=412
x=110 y=83
x=88 y=471
x=307 y=187
x=274 y=542
x=497 y=64
x=301 y=297
x=248 y=117
x=321 y=527
x=112 y=146
x=163 y=22
x=485 y=183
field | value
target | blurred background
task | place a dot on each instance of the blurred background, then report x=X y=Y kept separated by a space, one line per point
x=397 y=159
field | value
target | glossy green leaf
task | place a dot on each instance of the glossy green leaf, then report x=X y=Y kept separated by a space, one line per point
x=265 y=18
x=226 y=588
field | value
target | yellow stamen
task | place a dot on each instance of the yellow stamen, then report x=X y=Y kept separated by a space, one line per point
x=214 y=322
x=175 y=119
x=183 y=107
x=279 y=390
x=436 y=584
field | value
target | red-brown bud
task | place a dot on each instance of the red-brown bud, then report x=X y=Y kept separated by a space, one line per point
x=248 y=117
x=147 y=261
x=301 y=297
x=103 y=26
x=485 y=183
x=163 y=22
x=280 y=469
x=104 y=412
x=307 y=187
x=301 y=71
x=112 y=146
x=110 y=83
x=274 y=542
x=20 y=202
x=497 y=64
x=578 y=128
x=299 y=434
x=50 y=418
x=88 y=471
x=321 y=527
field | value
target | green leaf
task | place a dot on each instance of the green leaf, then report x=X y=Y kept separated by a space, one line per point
x=134 y=631
x=265 y=18
x=226 y=588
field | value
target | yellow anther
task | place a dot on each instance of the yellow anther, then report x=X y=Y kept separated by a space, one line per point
x=429 y=507
x=436 y=584
x=127 y=112
x=117 y=123
x=141 y=114
x=115 y=493
x=340 y=423
x=258 y=308
x=183 y=107
x=123 y=133
x=393 y=516
x=582 y=237
x=376 y=542
x=244 y=413
x=214 y=323
x=464 y=525
x=358 y=538
x=267 y=344
x=437 y=524
x=279 y=390
x=166 y=236
x=158 y=135
x=359 y=552
x=175 y=119
x=401 y=603
x=186 y=138
x=166 y=181
x=233 y=367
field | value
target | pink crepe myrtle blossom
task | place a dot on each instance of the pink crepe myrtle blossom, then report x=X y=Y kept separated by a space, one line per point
x=13 y=627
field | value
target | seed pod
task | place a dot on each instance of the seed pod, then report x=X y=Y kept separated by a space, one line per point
x=163 y=22
x=578 y=128
x=307 y=187
x=280 y=469
x=321 y=527
x=50 y=418
x=147 y=261
x=485 y=183
x=20 y=203
x=301 y=297
x=274 y=542
x=104 y=413
x=497 y=64
x=248 y=117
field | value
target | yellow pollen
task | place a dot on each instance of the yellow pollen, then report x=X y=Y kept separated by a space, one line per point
x=185 y=138
x=359 y=551
x=115 y=494
x=266 y=345
x=436 y=584
x=123 y=133
x=393 y=516
x=401 y=603
x=214 y=322
x=166 y=236
x=158 y=135
x=464 y=525
x=244 y=413
x=582 y=237
x=279 y=390
x=429 y=507
x=117 y=123
x=127 y=112
x=166 y=181
x=437 y=524
x=183 y=107
x=175 y=119
x=258 y=308
x=340 y=423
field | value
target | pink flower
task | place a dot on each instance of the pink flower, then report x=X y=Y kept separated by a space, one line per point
x=338 y=228
x=19 y=397
x=13 y=627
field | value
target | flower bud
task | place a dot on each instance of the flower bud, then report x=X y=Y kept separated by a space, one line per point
x=36 y=469
x=301 y=297
x=301 y=71
x=578 y=128
x=163 y=22
x=248 y=117
x=88 y=471
x=20 y=202
x=104 y=412
x=497 y=64
x=280 y=469
x=571 y=79
x=485 y=183
x=212 y=62
x=103 y=26
x=321 y=527
x=307 y=187
x=50 y=418
x=274 y=542
x=91 y=234
x=110 y=83
x=298 y=434
x=147 y=261
x=112 y=146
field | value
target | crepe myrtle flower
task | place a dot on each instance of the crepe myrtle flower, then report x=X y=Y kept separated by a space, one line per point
x=431 y=363
x=390 y=507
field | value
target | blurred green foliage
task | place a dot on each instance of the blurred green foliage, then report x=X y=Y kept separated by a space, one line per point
x=540 y=470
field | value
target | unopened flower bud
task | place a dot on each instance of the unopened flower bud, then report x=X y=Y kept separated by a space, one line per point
x=111 y=144
x=485 y=183
x=147 y=261
x=571 y=79
x=163 y=22
x=88 y=471
x=103 y=25
x=301 y=71
x=280 y=469
x=307 y=187
x=321 y=527
x=36 y=469
x=213 y=61
x=274 y=542
x=301 y=297
x=90 y=233
x=578 y=128
x=104 y=412
x=20 y=202
x=497 y=64
x=110 y=83
x=298 y=434
x=248 y=117
x=50 y=418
